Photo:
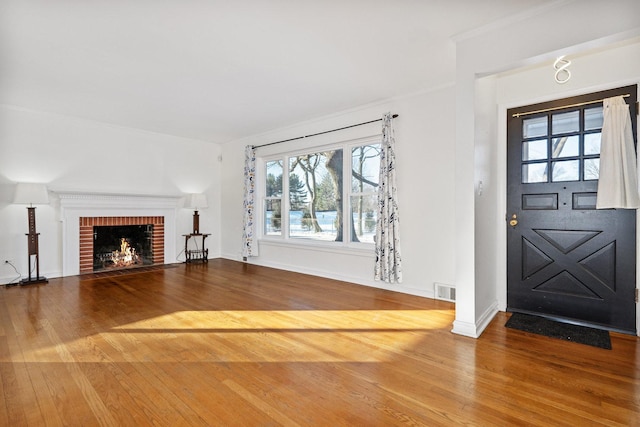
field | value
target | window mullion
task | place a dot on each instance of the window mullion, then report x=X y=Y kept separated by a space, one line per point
x=347 y=161
x=285 y=198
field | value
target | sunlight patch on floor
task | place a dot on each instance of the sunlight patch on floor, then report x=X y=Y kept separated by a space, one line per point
x=234 y=320
x=304 y=336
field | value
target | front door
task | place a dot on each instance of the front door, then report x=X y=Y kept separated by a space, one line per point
x=565 y=259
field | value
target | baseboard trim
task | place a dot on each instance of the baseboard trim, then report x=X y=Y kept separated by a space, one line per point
x=329 y=275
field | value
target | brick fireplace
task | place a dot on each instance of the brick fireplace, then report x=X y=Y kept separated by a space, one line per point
x=81 y=211
x=86 y=236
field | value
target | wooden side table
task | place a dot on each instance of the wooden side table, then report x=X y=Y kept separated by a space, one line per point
x=193 y=255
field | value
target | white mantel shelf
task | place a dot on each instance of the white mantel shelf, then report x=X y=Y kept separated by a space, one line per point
x=86 y=200
x=75 y=205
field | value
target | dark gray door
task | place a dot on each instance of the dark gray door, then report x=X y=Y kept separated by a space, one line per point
x=565 y=259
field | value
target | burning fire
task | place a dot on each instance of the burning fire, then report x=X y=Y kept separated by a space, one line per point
x=126 y=256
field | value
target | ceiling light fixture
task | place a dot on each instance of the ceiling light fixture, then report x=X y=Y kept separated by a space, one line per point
x=562 y=73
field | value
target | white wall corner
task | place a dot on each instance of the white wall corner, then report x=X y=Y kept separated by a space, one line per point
x=474 y=330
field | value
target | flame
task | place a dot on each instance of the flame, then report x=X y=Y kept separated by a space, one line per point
x=125 y=256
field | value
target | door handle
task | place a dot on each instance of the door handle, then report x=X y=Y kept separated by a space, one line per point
x=514 y=220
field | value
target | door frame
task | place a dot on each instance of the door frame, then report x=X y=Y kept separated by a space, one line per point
x=501 y=152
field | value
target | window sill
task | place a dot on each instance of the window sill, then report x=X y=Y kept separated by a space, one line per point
x=362 y=249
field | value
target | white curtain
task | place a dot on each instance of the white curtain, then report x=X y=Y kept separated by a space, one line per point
x=249 y=242
x=388 y=266
x=618 y=182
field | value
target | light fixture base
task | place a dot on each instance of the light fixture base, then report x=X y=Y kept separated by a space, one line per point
x=196 y=222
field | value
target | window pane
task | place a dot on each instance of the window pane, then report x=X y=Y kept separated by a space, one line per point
x=365 y=165
x=273 y=217
x=565 y=122
x=591 y=169
x=593 y=118
x=532 y=128
x=315 y=191
x=297 y=193
x=592 y=143
x=566 y=170
x=534 y=150
x=323 y=227
x=534 y=172
x=363 y=211
x=566 y=146
x=274 y=179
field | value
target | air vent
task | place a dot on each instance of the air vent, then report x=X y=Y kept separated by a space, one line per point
x=445 y=292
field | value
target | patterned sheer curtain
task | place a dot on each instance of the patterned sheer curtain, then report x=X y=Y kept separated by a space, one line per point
x=388 y=266
x=618 y=182
x=249 y=242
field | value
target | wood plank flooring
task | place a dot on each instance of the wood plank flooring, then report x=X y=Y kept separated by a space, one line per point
x=229 y=344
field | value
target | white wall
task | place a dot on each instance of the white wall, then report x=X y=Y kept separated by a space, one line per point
x=425 y=158
x=581 y=27
x=70 y=154
x=489 y=189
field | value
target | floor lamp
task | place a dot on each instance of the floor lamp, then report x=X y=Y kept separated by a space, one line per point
x=196 y=201
x=30 y=194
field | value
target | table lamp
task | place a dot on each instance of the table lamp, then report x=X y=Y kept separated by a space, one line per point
x=196 y=201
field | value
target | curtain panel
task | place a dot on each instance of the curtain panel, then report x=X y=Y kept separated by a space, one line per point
x=388 y=266
x=618 y=181
x=249 y=241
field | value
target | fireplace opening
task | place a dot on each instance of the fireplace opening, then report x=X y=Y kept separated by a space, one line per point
x=122 y=246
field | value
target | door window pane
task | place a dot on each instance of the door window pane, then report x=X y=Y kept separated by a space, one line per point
x=565 y=146
x=591 y=169
x=592 y=143
x=532 y=128
x=566 y=170
x=593 y=118
x=534 y=150
x=565 y=122
x=534 y=172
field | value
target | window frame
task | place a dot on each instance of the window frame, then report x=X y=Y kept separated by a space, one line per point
x=284 y=237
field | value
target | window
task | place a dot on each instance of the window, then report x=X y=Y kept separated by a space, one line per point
x=365 y=169
x=330 y=194
x=562 y=146
x=273 y=198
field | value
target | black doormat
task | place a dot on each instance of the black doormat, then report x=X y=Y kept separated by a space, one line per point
x=564 y=331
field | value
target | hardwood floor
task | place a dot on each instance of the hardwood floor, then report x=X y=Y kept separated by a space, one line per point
x=229 y=344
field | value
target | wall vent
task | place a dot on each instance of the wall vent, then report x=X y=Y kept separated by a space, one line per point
x=445 y=292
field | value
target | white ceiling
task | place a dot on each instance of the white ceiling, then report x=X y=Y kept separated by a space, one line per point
x=221 y=70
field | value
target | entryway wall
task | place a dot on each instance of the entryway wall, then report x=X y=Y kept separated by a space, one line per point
x=616 y=66
x=523 y=41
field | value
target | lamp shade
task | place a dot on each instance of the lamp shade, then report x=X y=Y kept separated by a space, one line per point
x=31 y=194
x=196 y=201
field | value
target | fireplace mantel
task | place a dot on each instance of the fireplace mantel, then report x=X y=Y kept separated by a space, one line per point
x=75 y=205
x=97 y=200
